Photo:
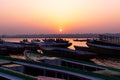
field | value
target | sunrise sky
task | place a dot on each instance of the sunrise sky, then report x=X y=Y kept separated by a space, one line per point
x=51 y=16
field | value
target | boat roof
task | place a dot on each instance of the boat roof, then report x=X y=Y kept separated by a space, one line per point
x=4 y=61
x=79 y=62
x=14 y=75
x=11 y=77
x=42 y=56
x=79 y=73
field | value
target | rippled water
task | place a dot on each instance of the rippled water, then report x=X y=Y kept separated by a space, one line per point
x=111 y=61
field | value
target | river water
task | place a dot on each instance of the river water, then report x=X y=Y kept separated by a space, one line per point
x=101 y=60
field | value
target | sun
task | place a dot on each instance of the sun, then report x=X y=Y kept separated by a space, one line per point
x=60 y=30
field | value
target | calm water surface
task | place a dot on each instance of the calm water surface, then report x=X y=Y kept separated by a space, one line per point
x=104 y=60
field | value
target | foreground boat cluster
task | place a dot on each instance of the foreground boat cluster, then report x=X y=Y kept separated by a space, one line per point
x=51 y=59
x=19 y=47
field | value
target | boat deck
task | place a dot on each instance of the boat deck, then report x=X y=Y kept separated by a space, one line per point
x=9 y=77
x=57 y=69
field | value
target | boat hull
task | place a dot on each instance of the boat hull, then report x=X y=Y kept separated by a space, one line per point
x=71 y=55
x=82 y=48
x=64 y=45
x=3 y=51
x=102 y=50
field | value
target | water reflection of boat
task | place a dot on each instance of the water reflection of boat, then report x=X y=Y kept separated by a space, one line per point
x=68 y=53
x=106 y=44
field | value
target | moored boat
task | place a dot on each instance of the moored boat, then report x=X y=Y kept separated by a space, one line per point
x=16 y=47
x=34 y=69
x=68 y=53
x=57 y=40
x=71 y=63
x=10 y=70
x=105 y=44
x=52 y=42
x=29 y=45
x=12 y=47
x=82 y=48
x=3 y=50
x=81 y=40
x=25 y=41
x=59 y=61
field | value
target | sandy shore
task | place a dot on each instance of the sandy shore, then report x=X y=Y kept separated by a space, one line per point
x=110 y=62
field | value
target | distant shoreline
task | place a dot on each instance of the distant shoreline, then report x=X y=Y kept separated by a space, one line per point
x=54 y=35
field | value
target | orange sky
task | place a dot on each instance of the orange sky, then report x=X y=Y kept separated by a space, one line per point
x=48 y=16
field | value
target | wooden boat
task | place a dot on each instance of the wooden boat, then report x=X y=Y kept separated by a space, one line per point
x=68 y=53
x=3 y=50
x=6 y=74
x=59 y=61
x=35 y=40
x=29 y=45
x=25 y=41
x=71 y=63
x=105 y=46
x=82 y=48
x=12 y=67
x=12 y=47
x=51 y=42
x=16 y=47
x=9 y=70
x=60 y=40
x=81 y=40
x=57 y=40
